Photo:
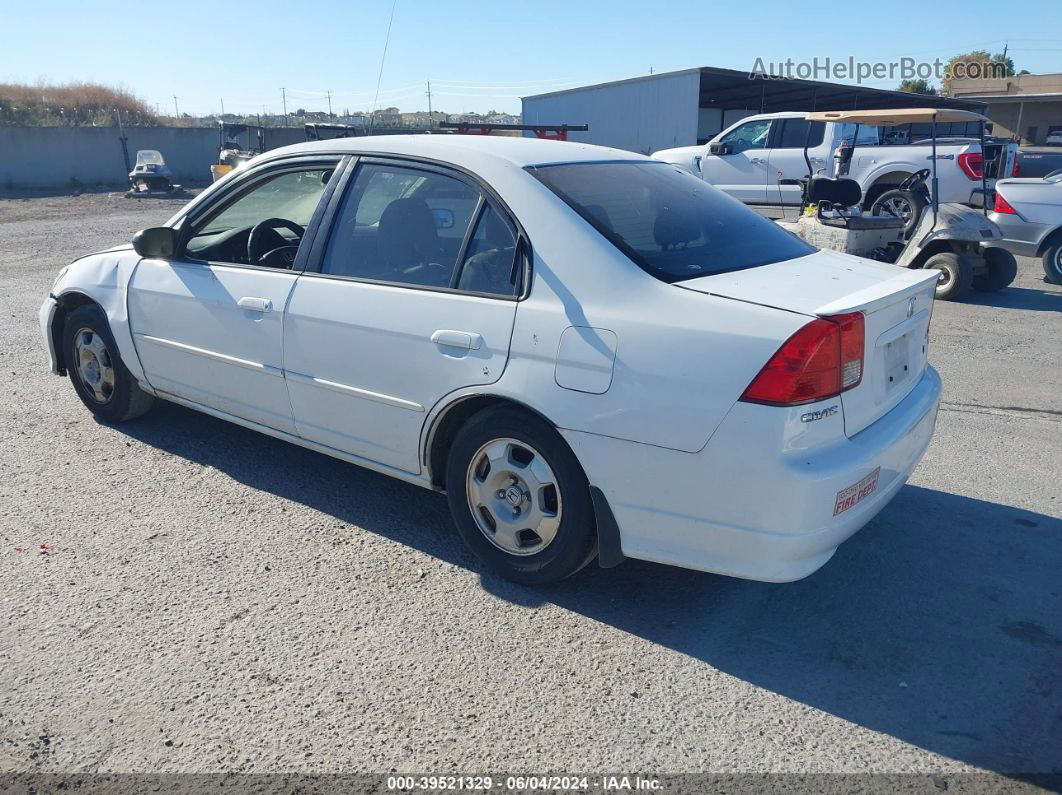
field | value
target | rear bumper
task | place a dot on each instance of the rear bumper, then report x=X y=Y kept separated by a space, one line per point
x=746 y=506
x=1019 y=237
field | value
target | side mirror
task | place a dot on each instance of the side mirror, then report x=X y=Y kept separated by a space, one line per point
x=444 y=218
x=719 y=148
x=156 y=242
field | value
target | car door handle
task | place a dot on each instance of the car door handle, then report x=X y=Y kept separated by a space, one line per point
x=466 y=340
x=252 y=304
x=757 y=161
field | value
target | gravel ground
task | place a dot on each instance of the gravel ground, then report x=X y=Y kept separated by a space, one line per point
x=216 y=600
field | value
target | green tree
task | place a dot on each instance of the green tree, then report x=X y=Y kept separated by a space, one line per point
x=918 y=86
x=1005 y=63
x=978 y=64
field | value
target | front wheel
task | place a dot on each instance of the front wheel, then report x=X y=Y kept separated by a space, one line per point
x=956 y=274
x=97 y=372
x=519 y=498
x=1053 y=263
x=1002 y=268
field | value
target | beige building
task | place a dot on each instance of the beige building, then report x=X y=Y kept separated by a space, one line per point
x=1026 y=106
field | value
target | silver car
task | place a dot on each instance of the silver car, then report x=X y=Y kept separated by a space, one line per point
x=1029 y=214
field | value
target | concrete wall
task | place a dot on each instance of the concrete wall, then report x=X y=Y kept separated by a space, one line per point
x=641 y=115
x=51 y=157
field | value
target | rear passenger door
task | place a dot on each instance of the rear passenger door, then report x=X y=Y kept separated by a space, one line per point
x=414 y=296
x=786 y=157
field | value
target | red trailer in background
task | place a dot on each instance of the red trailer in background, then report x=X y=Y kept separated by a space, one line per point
x=547 y=132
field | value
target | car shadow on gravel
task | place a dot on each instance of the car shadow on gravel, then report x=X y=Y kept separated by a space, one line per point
x=1047 y=300
x=939 y=624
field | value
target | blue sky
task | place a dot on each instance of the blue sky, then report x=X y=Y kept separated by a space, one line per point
x=479 y=55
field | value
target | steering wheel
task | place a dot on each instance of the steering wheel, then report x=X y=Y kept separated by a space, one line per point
x=919 y=176
x=266 y=246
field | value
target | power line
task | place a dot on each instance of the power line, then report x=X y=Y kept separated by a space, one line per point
x=383 y=56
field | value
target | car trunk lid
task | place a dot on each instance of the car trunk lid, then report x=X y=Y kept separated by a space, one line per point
x=897 y=304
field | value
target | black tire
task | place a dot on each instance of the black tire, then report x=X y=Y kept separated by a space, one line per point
x=1002 y=270
x=956 y=274
x=122 y=398
x=1053 y=263
x=912 y=200
x=575 y=541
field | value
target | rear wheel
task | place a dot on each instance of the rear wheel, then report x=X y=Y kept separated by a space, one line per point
x=1053 y=263
x=1002 y=268
x=519 y=498
x=899 y=204
x=956 y=274
x=97 y=372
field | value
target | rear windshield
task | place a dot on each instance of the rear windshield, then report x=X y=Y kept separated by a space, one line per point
x=668 y=221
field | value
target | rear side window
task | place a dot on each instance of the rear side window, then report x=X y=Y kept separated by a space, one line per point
x=401 y=225
x=669 y=222
x=794 y=134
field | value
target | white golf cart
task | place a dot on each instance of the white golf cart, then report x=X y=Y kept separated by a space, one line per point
x=916 y=230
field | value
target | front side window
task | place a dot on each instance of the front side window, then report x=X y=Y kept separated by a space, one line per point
x=670 y=223
x=263 y=226
x=409 y=226
x=751 y=135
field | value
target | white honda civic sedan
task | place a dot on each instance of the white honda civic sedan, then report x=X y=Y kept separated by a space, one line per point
x=594 y=354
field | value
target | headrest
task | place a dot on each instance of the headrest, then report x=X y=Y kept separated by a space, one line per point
x=674 y=228
x=843 y=191
x=407 y=232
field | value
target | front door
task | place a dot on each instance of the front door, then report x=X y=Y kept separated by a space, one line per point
x=415 y=298
x=207 y=325
x=742 y=172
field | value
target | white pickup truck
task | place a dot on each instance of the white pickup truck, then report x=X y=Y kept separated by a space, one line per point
x=751 y=159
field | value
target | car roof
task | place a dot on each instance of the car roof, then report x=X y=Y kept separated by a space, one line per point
x=464 y=150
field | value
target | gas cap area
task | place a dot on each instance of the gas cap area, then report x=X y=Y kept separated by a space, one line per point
x=586 y=358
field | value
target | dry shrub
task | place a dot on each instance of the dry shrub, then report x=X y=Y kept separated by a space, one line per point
x=71 y=105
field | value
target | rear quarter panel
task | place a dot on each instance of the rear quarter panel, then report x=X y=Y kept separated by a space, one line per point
x=681 y=358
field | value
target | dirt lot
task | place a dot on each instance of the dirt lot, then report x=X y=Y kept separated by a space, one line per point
x=218 y=600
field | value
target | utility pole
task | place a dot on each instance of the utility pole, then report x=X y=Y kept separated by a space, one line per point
x=431 y=121
x=176 y=112
x=329 y=103
x=123 y=140
x=284 y=100
x=223 y=108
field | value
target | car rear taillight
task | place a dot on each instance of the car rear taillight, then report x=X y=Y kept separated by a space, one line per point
x=819 y=361
x=1016 y=169
x=1003 y=206
x=972 y=164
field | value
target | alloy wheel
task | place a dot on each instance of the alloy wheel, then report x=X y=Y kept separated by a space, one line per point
x=95 y=368
x=897 y=206
x=513 y=496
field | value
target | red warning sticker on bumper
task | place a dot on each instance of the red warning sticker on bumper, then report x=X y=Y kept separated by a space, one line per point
x=856 y=493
